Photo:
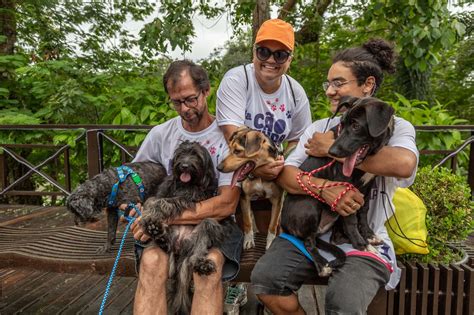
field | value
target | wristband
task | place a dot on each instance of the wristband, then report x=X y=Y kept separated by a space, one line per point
x=322 y=187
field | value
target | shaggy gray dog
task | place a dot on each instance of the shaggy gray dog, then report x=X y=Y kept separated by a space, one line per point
x=89 y=199
x=193 y=180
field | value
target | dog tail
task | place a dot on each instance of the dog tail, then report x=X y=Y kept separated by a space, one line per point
x=182 y=299
x=334 y=250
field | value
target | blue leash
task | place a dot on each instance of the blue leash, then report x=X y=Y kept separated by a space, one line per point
x=298 y=243
x=112 y=274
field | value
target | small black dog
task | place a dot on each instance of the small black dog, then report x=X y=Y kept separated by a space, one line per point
x=193 y=180
x=365 y=128
x=89 y=199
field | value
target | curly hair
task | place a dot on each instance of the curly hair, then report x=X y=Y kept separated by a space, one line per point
x=371 y=59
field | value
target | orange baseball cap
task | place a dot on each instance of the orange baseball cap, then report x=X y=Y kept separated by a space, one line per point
x=278 y=30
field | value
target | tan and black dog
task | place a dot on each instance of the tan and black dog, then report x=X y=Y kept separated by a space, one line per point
x=250 y=149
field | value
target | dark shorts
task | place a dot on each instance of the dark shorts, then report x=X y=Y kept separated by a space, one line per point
x=283 y=269
x=231 y=249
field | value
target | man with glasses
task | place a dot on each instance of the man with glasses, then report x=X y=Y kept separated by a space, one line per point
x=261 y=96
x=188 y=86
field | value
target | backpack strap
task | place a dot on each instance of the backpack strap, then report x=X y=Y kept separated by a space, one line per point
x=246 y=78
x=289 y=82
x=291 y=88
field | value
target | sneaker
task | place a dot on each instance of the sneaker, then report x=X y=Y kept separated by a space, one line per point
x=236 y=296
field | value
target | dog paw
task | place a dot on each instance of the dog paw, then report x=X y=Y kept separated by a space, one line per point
x=204 y=266
x=375 y=240
x=325 y=271
x=154 y=228
x=270 y=238
x=249 y=241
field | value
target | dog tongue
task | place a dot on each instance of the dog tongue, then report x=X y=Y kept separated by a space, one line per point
x=185 y=177
x=240 y=173
x=349 y=164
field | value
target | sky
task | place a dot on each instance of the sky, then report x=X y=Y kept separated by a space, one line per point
x=211 y=34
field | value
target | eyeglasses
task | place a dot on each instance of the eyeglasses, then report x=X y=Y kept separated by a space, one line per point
x=336 y=84
x=280 y=56
x=190 y=102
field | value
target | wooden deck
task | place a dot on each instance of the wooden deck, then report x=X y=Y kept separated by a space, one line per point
x=50 y=266
x=45 y=270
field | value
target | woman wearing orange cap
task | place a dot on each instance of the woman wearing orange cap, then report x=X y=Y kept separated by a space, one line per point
x=261 y=96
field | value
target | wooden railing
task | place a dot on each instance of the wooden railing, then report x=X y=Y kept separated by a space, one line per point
x=95 y=136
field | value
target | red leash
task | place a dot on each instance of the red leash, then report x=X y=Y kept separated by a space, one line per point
x=309 y=192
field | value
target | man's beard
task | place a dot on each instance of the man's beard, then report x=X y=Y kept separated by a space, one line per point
x=192 y=116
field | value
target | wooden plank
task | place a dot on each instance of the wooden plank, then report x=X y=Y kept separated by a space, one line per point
x=71 y=291
x=458 y=289
x=38 y=213
x=412 y=273
x=30 y=291
x=446 y=286
x=119 y=285
x=390 y=302
x=91 y=293
x=468 y=304
x=123 y=302
x=37 y=302
x=422 y=288
x=378 y=306
x=83 y=294
x=401 y=296
x=434 y=290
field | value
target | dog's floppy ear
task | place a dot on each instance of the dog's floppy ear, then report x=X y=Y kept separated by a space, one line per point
x=253 y=142
x=235 y=133
x=346 y=101
x=378 y=115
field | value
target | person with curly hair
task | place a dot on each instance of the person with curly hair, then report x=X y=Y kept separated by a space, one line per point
x=281 y=271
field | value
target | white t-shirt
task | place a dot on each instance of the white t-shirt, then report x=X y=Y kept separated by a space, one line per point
x=274 y=114
x=381 y=205
x=160 y=143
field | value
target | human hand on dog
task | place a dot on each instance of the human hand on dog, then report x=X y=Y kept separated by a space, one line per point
x=136 y=228
x=318 y=145
x=271 y=170
x=350 y=202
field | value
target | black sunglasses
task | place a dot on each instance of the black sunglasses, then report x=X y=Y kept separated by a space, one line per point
x=280 y=56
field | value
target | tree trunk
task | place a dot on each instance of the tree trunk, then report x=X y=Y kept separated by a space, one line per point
x=261 y=13
x=7 y=26
x=413 y=84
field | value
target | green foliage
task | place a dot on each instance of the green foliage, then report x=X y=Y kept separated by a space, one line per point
x=452 y=80
x=419 y=113
x=449 y=218
x=421 y=29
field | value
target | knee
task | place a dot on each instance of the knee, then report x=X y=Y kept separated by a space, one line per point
x=154 y=263
x=341 y=301
x=214 y=278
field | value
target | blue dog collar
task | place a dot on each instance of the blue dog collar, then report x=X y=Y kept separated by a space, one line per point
x=298 y=243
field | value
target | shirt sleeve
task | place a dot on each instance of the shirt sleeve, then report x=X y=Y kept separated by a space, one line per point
x=404 y=136
x=231 y=99
x=149 y=149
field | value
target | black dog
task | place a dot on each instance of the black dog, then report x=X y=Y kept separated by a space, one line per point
x=89 y=199
x=364 y=129
x=193 y=180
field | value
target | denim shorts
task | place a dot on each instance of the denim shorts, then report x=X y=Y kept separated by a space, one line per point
x=231 y=249
x=283 y=269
